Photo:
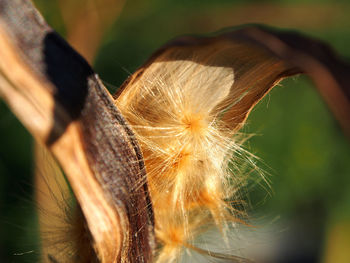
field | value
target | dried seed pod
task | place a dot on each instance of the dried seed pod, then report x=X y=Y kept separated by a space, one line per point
x=186 y=106
x=62 y=102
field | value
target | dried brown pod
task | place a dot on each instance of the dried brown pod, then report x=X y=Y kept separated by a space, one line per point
x=186 y=105
x=62 y=102
x=198 y=90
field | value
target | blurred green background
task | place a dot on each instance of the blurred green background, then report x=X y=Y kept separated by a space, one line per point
x=303 y=150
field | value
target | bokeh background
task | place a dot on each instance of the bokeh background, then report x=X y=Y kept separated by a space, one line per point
x=304 y=215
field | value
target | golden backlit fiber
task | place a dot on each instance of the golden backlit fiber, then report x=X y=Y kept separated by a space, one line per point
x=186 y=147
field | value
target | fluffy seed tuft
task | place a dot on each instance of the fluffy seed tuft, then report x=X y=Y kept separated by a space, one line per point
x=187 y=150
